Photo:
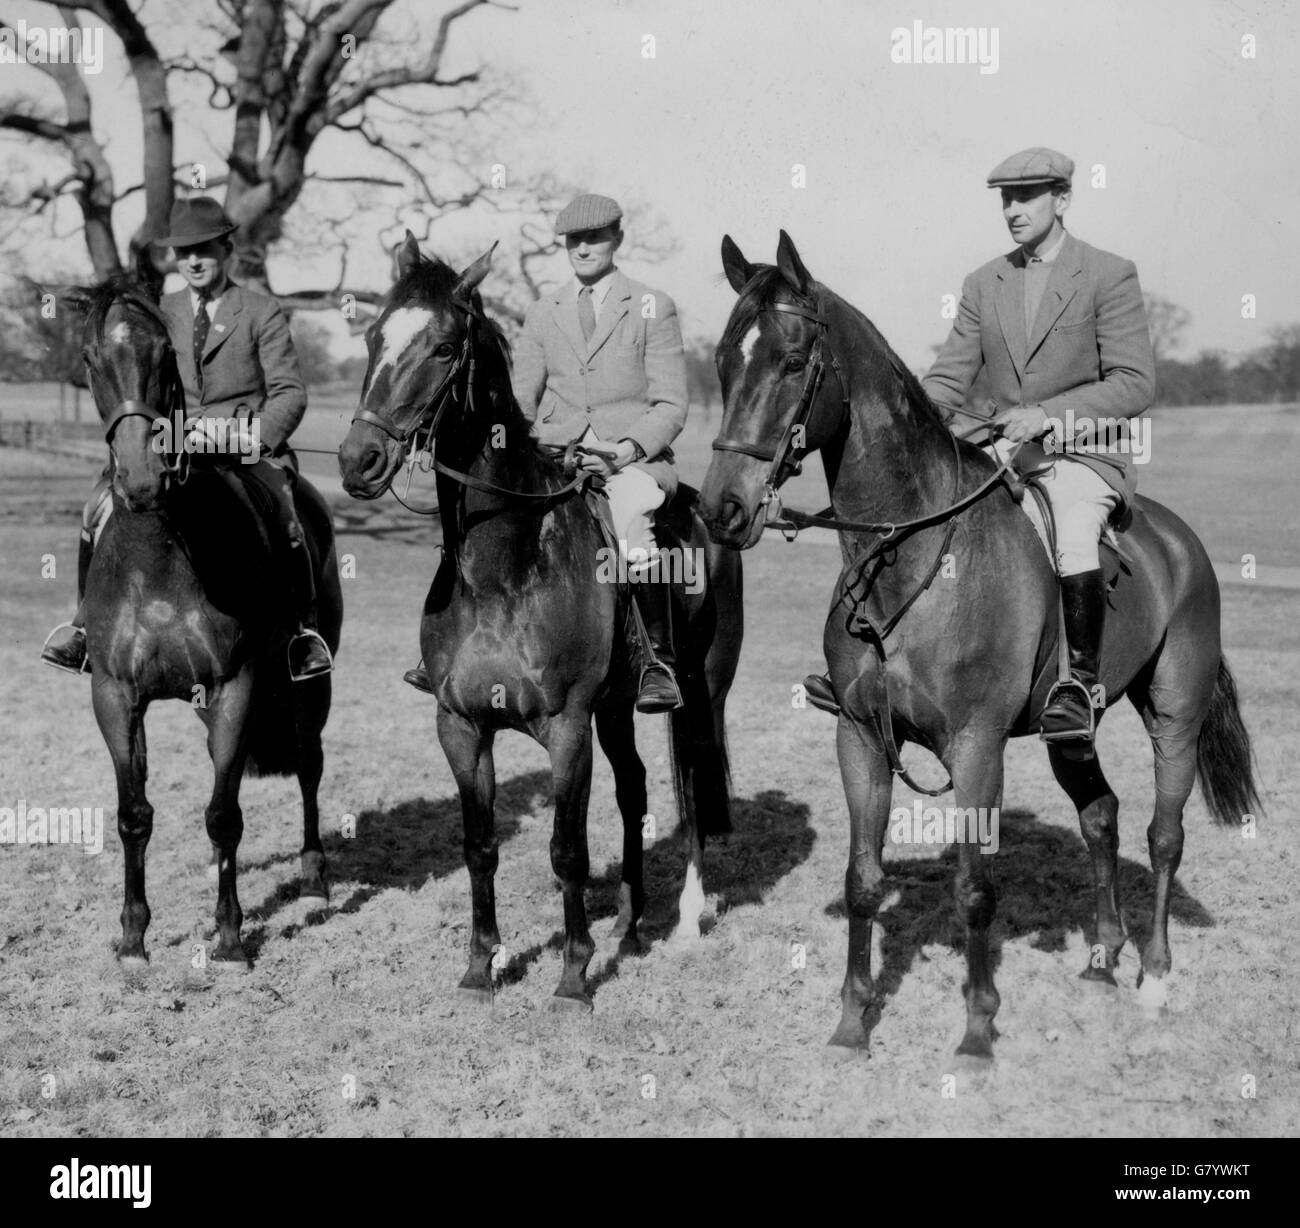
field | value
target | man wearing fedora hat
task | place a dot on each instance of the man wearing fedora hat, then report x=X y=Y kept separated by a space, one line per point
x=236 y=360
x=1060 y=329
x=600 y=362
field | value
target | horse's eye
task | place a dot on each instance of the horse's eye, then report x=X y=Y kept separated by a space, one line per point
x=794 y=364
x=445 y=350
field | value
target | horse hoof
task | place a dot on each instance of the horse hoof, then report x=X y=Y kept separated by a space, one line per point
x=314 y=892
x=133 y=965
x=686 y=932
x=230 y=961
x=975 y=1053
x=850 y=1037
x=630 y=945
x=568 y=1004
x=474 y=994
x=1102 y=978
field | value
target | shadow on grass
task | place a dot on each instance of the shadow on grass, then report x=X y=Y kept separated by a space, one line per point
x=1043 y=876
x=772 y=835
x=404 y=846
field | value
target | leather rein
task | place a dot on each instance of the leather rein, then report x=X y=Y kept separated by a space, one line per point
x=890 y=533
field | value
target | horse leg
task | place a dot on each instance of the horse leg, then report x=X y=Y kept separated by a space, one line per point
x=868 y=788
x=617 y=734
x=569 y=744
x=121 y=720
x=1174 y=739
x=1098 y=809
x=228 y=743
x=977 y=785
x=311 y=767
x=469 y=752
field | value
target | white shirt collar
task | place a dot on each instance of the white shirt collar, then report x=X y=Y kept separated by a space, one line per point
x=1046 y=257
x=599 y=289
x=212 y=302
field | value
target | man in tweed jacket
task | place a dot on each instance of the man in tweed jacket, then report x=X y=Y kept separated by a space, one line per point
x=601 y=361
x=1061 y=330
x=236 y=360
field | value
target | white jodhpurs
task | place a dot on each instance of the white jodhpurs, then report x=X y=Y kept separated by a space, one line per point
x=633 y=496
x=1082 y=503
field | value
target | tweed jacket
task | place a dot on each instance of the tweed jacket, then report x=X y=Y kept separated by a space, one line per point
x=628 y=382
x=1089 y=350
x=248 y=360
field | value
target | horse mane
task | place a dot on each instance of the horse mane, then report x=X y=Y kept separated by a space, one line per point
x=760 y=292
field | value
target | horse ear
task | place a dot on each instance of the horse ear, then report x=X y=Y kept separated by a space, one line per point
x=792 y=268
x=734 y=264
x=408 y=255
x=72 y=298
x=147 y=272
x=470 y=278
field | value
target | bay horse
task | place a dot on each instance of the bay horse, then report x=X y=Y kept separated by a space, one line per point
x=519 y=631
x=971 y=656
x=181 y=603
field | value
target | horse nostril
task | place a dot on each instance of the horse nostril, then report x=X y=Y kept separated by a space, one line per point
x=733 y=514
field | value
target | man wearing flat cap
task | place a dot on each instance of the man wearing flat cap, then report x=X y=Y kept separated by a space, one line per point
x=236 y=360
x=600 y=361
x=1060 y=330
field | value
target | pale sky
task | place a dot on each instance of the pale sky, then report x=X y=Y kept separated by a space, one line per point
x=1198 y=144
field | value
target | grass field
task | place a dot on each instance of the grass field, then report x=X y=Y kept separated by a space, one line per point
x=349 y=1022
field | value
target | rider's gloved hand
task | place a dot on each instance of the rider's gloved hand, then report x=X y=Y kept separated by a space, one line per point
x=1022 y=423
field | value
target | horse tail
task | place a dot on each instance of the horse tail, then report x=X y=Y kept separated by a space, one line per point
x=1224 y=760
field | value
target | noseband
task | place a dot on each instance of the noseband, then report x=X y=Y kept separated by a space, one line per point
x=786 y=460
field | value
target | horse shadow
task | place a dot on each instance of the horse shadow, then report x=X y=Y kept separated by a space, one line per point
x=1043 y=875
x=403 y=846
x=771 y=836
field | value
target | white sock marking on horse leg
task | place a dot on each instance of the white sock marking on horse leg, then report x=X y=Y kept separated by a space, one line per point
x=623 y=922
x=1153 y=995
x=691 y=905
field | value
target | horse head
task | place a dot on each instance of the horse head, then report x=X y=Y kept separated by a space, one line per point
x=777 y=405
x=425 y=338
x=135 y=381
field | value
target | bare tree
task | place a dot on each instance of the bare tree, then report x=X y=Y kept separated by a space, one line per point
x=1166 y=322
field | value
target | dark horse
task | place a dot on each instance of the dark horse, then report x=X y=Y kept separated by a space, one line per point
x=970 y=661
x=519 y=631
x=181 y=603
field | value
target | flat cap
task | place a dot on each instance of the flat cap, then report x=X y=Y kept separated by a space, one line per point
x=1037 y=165
x=587 y=212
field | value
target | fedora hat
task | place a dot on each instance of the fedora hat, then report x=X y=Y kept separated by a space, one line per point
x=196 y=221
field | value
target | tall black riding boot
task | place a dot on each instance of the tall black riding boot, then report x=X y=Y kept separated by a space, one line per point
x=70 y=654
x=659 y=691
x=309 y=654
x=1068 y=716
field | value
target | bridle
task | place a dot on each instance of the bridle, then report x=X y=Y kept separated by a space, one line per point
x=786 y=459
x=423 y=431
x=176 y=459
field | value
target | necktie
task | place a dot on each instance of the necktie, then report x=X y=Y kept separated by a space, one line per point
x=586 y=313
x=201 y=323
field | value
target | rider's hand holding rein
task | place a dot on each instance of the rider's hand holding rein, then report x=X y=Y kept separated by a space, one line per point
x=1024 y=422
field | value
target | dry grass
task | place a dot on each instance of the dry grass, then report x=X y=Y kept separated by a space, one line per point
x=732 y=1034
